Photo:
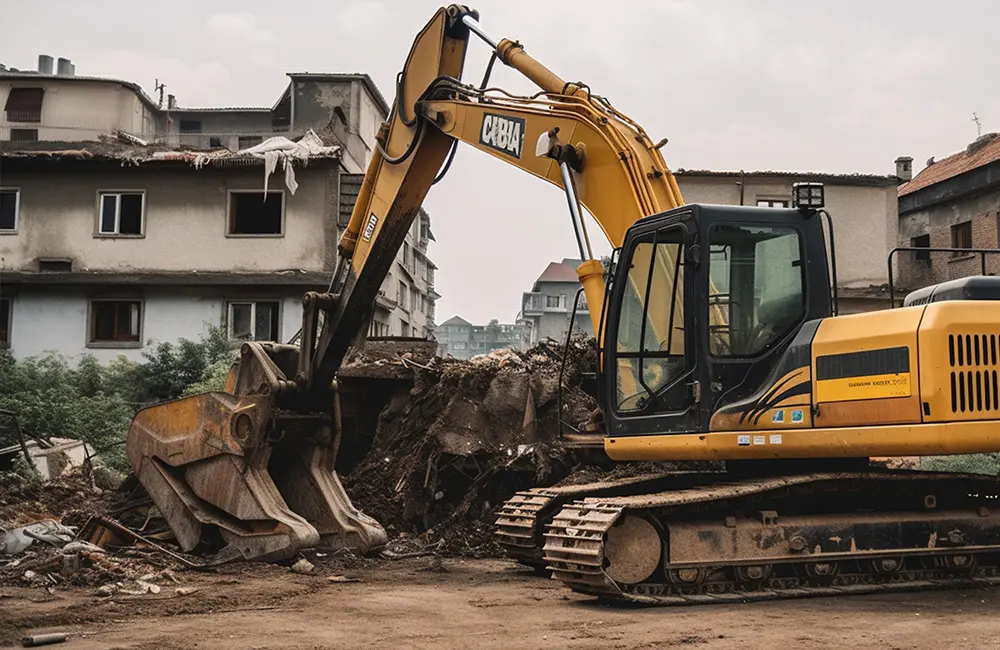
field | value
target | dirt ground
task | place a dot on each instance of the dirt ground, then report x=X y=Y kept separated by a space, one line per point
x=422 y=602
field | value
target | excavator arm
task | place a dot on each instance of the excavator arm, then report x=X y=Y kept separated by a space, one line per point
x=249 y=472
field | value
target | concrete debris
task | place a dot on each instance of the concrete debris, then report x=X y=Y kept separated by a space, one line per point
x=33 y=640
x=342 y=579
x=14 y=541
x=303 y=566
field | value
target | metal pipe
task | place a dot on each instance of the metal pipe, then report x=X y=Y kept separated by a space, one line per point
x=477 y=29
x=931 y=249
x=574 y=212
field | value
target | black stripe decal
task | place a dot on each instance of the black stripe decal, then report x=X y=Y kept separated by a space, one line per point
x=801 y=389
x=886 y=361
x=760 y=406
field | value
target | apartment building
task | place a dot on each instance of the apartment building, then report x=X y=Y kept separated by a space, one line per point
x=461 y=339
x=547 y=310
x=951 y=203
x=115 y=234
x=39 y=105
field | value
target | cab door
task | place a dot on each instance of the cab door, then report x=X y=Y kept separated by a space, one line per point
x=651 y=344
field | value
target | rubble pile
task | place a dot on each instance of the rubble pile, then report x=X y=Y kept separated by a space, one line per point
x=467 y=436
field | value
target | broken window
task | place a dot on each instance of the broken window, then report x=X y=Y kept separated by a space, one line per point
x=24 y=105
x=255 y=213
x=24 y=135
x=961 y=236
x=9 y=203
x=254 y=321
x=5 y=318
x=190 y=126
x=121 y=213
x=115 y=321
x=247 y=141
x=552 y=302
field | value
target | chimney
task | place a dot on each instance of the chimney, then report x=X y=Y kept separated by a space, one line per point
x=44 y=64
x=904 y=168
x=171 y=101
x=64 y=67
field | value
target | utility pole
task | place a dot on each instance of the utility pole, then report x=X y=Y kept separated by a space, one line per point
x=979 y=125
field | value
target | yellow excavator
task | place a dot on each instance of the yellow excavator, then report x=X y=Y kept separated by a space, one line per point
x=718 y=342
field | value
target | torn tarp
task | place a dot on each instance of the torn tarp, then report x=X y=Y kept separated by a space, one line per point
x=281 y=149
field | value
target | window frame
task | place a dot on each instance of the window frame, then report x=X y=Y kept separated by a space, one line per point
x=785 y=202
x=115 y=343
x=17 y=209
x=955 y=230
x=231 y=218
x=99 y=234
x=21 y=131
x=228 y=313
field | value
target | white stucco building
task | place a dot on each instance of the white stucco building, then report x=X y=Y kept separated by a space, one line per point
x=124 y=222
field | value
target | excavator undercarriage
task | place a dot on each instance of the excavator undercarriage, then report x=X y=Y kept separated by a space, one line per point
x=708 y=537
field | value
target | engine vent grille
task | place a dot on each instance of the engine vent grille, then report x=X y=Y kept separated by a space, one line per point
x=973 y=360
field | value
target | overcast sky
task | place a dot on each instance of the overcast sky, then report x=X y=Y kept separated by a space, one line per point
x=842 y=86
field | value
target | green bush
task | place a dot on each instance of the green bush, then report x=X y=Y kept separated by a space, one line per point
x=95 y=403
x=970 y=463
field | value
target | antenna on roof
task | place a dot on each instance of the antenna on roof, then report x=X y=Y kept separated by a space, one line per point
x=979 y=125
x=158 y=87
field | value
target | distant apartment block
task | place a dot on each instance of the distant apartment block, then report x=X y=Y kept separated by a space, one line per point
x=461 y=339
x=547 y=309
x=117 y=229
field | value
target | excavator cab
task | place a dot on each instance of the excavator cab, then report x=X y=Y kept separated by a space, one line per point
x=703 y=303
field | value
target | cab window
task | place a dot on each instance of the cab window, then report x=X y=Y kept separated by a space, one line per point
x=651 y=321
x=756 y=289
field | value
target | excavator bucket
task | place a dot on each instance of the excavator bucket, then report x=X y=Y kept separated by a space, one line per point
x=249 y=473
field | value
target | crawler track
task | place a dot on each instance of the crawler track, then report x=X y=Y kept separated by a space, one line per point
x=780 y=537
x=522 y=520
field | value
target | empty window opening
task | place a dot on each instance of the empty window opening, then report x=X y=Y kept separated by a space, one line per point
x=921 y=241
x=55 y=266
x=254 y=321
x=121 y=213
x=9 y=206
x=114 y=321
x=255 y=213
x=5 y=318
x=215 y=142
x=190 y=126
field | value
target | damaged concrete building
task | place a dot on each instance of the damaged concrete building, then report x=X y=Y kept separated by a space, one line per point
x=458 y=338
x=126 y=221
x=951 y=203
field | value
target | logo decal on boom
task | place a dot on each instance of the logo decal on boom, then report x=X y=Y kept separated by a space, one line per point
x=370 y=227
x=505 y=134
